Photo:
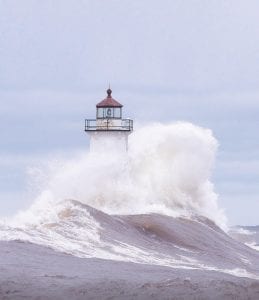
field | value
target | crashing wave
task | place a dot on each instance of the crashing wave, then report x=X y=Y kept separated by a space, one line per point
x=177 y=242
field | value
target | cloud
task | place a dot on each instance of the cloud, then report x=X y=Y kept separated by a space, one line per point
x=180 y=44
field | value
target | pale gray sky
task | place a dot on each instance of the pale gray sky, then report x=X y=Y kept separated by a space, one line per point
x=189 y=60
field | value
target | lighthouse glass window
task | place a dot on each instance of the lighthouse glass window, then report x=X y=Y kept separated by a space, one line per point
x=109 y=112
x=100 y=113
x=117 y=112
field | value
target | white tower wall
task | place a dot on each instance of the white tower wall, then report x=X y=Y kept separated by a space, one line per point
x=103 y=141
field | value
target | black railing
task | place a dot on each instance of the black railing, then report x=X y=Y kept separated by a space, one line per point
x=109 y=125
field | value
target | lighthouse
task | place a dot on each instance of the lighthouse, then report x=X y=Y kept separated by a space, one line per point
x=109 y=131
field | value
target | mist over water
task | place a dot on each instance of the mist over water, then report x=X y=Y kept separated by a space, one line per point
x=167 y=170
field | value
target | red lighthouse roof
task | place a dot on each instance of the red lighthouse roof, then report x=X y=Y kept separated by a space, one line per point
x=109 y=101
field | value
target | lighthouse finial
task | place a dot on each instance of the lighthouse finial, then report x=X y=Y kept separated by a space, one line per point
x=109 y=91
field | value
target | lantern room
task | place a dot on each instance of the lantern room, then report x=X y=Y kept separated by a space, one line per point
x=109 y=108
x=109 y=117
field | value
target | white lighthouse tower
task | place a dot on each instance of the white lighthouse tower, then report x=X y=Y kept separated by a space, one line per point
x=108 y=130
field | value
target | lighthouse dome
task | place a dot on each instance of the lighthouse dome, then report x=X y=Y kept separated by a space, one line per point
x=109 y=101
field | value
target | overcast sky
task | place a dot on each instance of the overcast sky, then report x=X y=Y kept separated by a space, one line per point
x=166 y=60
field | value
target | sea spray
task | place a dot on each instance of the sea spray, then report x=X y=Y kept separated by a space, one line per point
x=167 y=170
